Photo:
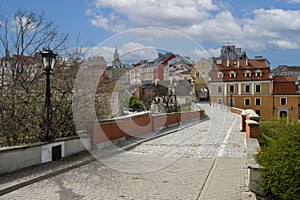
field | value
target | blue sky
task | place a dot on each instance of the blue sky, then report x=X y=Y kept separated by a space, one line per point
x=195 y=28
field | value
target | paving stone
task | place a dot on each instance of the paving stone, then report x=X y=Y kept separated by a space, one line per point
x=204 y=161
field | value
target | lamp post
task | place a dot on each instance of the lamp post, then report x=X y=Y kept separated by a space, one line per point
x=175 y=102
x=231 y=100
x=48 y=62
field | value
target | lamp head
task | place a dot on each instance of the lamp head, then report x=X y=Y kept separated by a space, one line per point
x=48 y=58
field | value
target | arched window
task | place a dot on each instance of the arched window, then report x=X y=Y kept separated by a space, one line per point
x=247 y=74
x=220 y=74
x=232 y=74
x=258 y=73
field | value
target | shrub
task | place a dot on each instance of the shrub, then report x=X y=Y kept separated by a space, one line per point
x=280 y=159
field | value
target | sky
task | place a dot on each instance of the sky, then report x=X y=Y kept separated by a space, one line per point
x=139 y=29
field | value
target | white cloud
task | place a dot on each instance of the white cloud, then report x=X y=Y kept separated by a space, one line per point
x=203 y=20
x=206 y=53
x=284 y=44
x=293 y=1
x=130 y=52
x=157 y=13
x=277 y=19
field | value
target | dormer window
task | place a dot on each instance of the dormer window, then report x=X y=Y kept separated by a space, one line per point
x=247 y=74
x=258 y=73
x=232 y=74
x=220 y=74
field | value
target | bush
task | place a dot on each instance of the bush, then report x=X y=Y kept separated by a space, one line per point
x=280 y=159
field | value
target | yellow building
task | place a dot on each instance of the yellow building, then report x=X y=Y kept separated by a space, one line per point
x=200 y=77
x=246 y=83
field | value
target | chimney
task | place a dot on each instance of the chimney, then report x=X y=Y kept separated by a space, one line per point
x=238 y=63
x=227 y=61
x=246 y=61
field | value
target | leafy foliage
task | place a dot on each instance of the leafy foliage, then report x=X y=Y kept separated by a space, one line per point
x=135 y=103
x=280 y=158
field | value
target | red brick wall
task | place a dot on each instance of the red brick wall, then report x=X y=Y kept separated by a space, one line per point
x=187 y=116
x=136 y=125
x=236 y=110
x=252 y=131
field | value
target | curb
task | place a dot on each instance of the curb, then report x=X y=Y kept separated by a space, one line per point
x=43 y=177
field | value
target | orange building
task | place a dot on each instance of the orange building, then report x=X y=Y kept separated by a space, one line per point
x=285 y=97
x=246 y=83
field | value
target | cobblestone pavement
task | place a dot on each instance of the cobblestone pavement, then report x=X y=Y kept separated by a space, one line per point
x=203 y=161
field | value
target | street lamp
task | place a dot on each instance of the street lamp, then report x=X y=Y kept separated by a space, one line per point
x=231 y=100
x=175 y=103
x=48 y=62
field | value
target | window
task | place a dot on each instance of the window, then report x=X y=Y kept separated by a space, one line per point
x=258 y=73
x=219 y=89
x=258 y=112
x=283 y=101
x=258 y=88
x=197 y=75
x=247 y=74
x=220 y=100
x=231 y=88
x=220 y=74
x=247 y=88
x=203 y=74
x=247 y=102
x=232 y=74
x=257 y=101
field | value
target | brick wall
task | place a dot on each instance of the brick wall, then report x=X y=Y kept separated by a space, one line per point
x=236 y=110
x=249 y=121
x=135 y=125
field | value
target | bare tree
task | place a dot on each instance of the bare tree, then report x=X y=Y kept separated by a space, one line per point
x=22 y=85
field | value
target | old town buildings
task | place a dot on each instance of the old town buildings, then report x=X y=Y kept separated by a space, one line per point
x=232 y=79
x=239 y=81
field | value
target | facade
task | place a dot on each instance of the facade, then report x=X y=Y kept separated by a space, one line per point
x=146 y=71
x=135 y=75
x=285 y=97
x=160 y=64
x=179 y=68
x=200 y=77
x=247 y=83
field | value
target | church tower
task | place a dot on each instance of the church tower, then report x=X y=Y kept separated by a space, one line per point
x=116 y=59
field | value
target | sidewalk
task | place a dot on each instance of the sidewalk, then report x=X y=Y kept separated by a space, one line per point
x=227 y=180
x=23 y=177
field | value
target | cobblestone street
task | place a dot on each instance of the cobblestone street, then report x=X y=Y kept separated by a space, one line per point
x=202 y=161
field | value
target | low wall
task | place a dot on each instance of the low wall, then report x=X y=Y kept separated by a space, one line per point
x=249 y=121
x=128 y=126
x=18 y=157
x=254 y=169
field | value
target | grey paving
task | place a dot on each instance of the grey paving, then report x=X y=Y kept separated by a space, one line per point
x=204 y=161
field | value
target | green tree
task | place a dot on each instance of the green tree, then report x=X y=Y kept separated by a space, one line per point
x=135 y=103
x=280 y=159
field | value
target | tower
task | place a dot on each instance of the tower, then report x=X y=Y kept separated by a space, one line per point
x=116 y=59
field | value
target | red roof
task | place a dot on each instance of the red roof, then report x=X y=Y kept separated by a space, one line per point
x=284 y=85
x=283 y=78
x=253 y=67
